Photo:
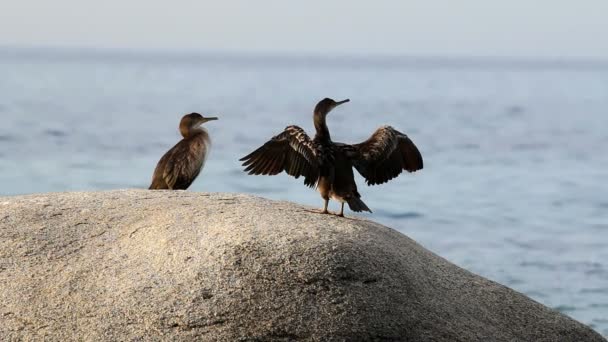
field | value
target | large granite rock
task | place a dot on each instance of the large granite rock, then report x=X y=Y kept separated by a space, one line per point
x=158 y=265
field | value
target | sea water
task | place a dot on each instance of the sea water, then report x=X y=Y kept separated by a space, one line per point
x=515 y=178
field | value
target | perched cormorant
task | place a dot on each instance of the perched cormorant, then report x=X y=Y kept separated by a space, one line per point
x=328 y=165
x=180 y=166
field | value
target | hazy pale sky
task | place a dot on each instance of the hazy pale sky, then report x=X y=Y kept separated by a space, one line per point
x=517 y=28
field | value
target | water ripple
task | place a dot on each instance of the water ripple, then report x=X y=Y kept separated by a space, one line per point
x=55 y=133
x=400 y=215
x=595 y=290
x=565 y=308
x=538 y=264
x=509 y=189
x=5 y=138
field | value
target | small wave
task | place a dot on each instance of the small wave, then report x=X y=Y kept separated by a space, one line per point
x=594 y=290
x=514 y=281
x=520 y=244
x=515 y=110
x=530 y=146
x=55 y=133
x=83 y=166
x=402 y=215
x=599 y=271
x=565 y=308
x=143 y=149
x=6 y=138
x=468 y=146
x=537 y=264
x=536 y=294
x=236 y=172
x=599 y=226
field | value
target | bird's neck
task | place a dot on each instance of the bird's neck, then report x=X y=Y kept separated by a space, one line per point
x=321 y=127
x=188 y=131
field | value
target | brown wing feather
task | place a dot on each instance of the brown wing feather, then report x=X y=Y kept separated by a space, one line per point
x=163 y=178
x=180 y=166
x=291 y=151
x=385 y=155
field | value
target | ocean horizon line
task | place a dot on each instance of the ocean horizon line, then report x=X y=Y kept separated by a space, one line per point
x=277 y=58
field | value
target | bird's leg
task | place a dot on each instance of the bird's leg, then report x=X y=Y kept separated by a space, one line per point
x=341 y=210
x=325 y=207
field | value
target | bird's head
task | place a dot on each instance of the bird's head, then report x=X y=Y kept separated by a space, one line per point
x=192 y=121
x=326 y=105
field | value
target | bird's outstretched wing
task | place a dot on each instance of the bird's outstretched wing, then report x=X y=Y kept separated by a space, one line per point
x=384 y=155
x=291 y=151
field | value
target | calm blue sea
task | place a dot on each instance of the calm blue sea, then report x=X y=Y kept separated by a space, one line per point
x=515 y=184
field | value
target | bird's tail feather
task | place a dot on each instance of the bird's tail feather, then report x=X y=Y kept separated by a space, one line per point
x=356 y=204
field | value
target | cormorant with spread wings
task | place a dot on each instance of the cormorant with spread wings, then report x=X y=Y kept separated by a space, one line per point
x=329 y=165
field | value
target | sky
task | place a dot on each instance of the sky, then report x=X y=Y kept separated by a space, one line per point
x=448 y=28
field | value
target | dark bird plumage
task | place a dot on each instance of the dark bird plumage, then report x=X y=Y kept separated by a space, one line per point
x=180 y=166
x=328 y=165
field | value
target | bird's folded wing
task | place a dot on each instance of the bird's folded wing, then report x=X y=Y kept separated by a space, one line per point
x=291 y=151
x=171 y=169
x=181 y=166
x=385 y=155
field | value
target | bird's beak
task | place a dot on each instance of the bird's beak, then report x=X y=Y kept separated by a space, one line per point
x=210 y=118
x=341 y=102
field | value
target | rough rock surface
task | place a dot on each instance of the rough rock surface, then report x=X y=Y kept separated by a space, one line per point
x=161 y=265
